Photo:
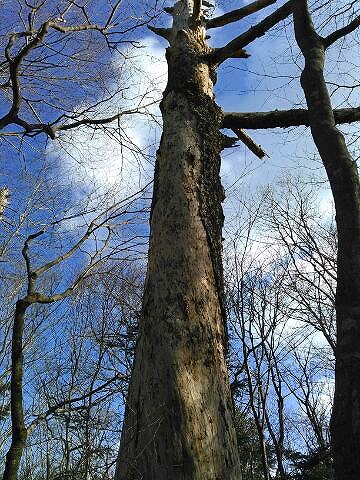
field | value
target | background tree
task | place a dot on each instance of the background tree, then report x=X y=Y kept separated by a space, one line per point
x=52 y=80
x=99 y=231
x=270 y=262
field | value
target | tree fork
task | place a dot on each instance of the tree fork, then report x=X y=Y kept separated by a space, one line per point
x=179 y=415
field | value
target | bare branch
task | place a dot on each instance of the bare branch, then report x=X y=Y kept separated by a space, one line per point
x=112 y=14
x=169 y=10
x=334 y=36
x=162 y=32
x=15 y=62
x=283 y=118
x=249 y=142
x=51 y=130
x=30 y=274
x=219 y=55
x=238 y=14
x=94 y=225
x=4 y=200
x=232 y=49
x=99 y=222
x=54 y=408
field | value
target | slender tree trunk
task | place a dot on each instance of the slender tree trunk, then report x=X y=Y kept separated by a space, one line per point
x=344 y=180
x=179 y=414
x=19 y=432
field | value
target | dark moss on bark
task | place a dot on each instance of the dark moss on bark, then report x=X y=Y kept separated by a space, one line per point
x=210 y=190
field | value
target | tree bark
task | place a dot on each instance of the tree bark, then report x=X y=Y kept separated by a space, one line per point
x=344 y=180
x=179 y=414
x=19 y=431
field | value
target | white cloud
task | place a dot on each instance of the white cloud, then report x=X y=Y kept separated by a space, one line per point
x=117 y=159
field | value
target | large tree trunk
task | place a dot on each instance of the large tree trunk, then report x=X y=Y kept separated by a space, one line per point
x=179 y=413
x=344 y=180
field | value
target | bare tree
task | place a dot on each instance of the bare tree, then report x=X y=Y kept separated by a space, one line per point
x=180 y=353
x=344 y=181
x=308 y=244
x=78 y=376
x=278 y=296
x=51 y=41
x=179 y=416
x=98 y=231
x=258 y=314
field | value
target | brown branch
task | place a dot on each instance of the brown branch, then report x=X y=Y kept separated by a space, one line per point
x=54 y=408
x=283 y=118
x=162 y=32
x=334 y=36
x=249 y=142
x=238 y=14
x=230 y=50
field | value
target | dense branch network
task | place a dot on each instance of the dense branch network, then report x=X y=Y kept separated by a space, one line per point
x=99 y=230
x=237 y=121
x=235 y=48
x=17 y=55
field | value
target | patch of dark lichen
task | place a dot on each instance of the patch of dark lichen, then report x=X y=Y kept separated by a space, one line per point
x=210 y=190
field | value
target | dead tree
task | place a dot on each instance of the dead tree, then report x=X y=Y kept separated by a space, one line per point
x=179 y=415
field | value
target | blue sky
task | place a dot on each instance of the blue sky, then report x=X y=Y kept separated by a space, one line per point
x=83 y=168
x=269 y=79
